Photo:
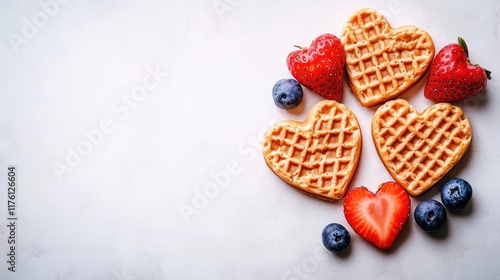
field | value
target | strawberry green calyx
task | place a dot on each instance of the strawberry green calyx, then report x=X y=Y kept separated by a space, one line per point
x=462 y=44
x=488 y=74
x=300 y=47
x=303 y=48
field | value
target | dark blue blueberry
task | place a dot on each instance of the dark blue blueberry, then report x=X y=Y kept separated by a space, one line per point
x=335 y=237
x=456 y=193
x=430 y=215
x=287 y=94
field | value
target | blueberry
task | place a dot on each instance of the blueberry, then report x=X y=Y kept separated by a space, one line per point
x=287 y=94
x=335 y=237
x=430 y=215
x=456 y=193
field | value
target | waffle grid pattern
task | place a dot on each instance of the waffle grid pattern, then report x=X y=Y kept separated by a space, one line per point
x=383 y=62
x=420 y=152
x=319 y=158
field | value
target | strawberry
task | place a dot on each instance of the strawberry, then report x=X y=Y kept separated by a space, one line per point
x=320 y=67
x=453 y=77
x=379 y=217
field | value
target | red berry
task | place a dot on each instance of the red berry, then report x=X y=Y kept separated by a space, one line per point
x=320 y=67
x=379 y=217
x=452 y=77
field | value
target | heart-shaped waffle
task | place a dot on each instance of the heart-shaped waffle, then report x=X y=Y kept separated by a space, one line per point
x=419 y=149
x=382 y=62
x=318 y=156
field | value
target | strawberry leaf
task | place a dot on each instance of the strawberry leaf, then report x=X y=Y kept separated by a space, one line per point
x=488 y=74
x=300 y=47
x=462 y=43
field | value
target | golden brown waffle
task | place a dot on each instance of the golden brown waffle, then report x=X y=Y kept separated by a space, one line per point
x=419 y=149
x=318 y=156
x=383 y=62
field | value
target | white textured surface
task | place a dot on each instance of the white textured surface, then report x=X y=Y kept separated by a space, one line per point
x=116 y=214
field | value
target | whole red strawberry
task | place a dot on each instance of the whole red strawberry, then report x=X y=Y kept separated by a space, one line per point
x=453 y=77
x=320 y=67
x=379 y=217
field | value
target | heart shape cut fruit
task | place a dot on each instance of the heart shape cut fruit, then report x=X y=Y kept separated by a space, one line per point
x=419 y=149
x=383 y=62
x=378 y=218
x=318 y=156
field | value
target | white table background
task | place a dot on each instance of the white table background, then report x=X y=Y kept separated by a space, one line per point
x=175 y=96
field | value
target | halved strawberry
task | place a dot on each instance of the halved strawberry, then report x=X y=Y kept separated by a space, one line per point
x=379 y=217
